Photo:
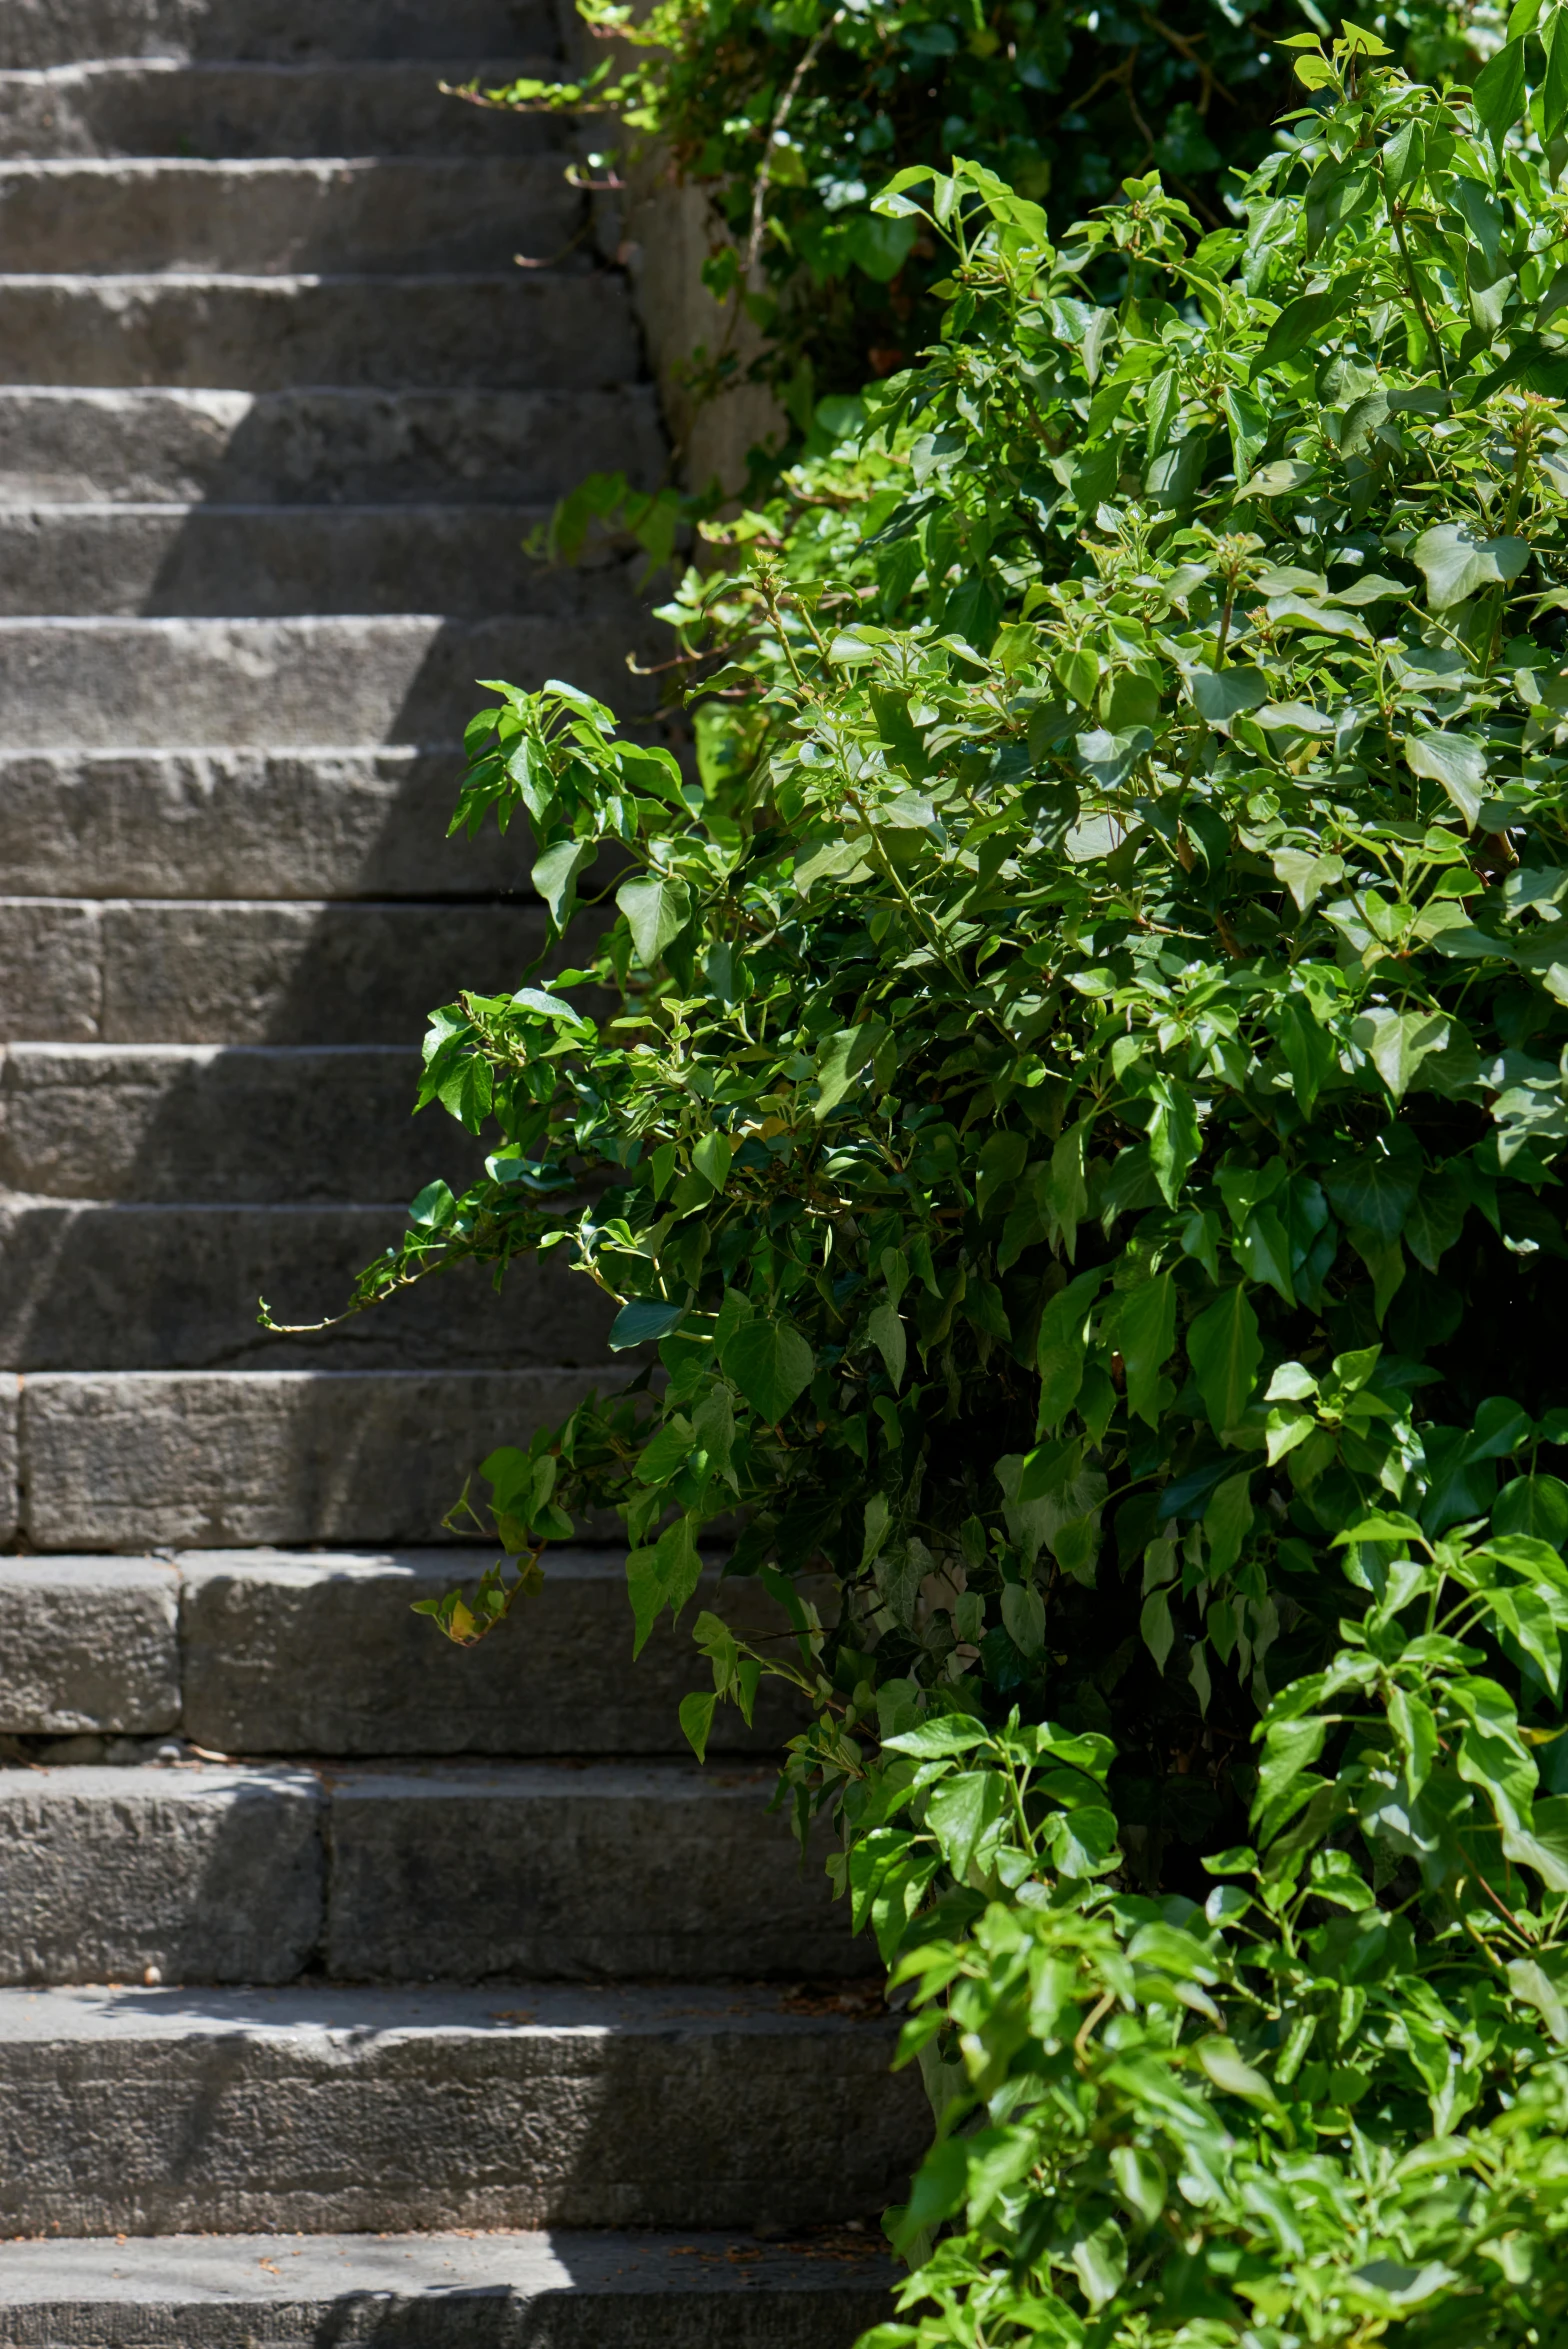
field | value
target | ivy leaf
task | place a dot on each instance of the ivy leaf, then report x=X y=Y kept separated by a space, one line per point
x=696 y=1719
x=771 y=1363
x=664 y=1575
x=467 y=1092
x=1023 y=1612
x=1396 y=1043
x=956 y=1733
x=1307 y=873
x=1218 y=695
x=1415 y=1727
x=1436 y=1218
x=1225 y=1350
x=643 y=1320
x=1375 y=1191
x=1173 y=1137
x=555 y=876
x=1458 y=762
x=962 y=1812
x=887 y=1333
x=1146 y=1337
x=1159 y=1633
x=1536 y=1506
x=657 y=910
x=1455 y=560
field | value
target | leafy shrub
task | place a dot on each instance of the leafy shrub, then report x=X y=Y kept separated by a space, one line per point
x=1080 y=1114
x=790 y=114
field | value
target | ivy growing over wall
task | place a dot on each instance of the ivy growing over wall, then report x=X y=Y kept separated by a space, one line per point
x=791 y=112
x=1071 y=1105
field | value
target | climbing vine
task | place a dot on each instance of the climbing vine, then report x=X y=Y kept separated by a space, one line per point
x=1067 y=1109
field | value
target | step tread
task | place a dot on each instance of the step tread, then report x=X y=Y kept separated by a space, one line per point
x=522 y=2104
x=121 y=170
x=312 y=1653
x=81 y=445
x=267 y=1873
x=367 y=2018
x=129 y=283
x=119 y=1460
x=245 y=2271
x=408 y=1778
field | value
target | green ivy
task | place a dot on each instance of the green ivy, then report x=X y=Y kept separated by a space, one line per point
x=790 y=112
x=1073 y=1097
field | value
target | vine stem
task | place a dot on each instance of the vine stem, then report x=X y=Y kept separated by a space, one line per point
x=1397 y=224
x=781 y=115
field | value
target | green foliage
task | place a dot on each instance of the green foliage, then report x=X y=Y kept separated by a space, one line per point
x=790 y=115
x=1074 y=1096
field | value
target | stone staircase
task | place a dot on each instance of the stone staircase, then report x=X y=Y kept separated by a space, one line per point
x=352 y=1989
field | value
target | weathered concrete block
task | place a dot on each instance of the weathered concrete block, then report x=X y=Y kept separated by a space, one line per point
x=242 y=825
x=53 y=32
x=211 y=1875
x=323 y=1654
x=176 y=1288
x=51 y=968
x=538 y=331
x=316 y=445
x=10 y=1455
x=156 y=1123
x=176 y=2112
x=277 y=685
x=302 y=974
x=131 y=1461
x=88 y=1644
x=271 y=561
x=283 y=213
x=161 y=106
x=442 y=2291
x=548 y=1871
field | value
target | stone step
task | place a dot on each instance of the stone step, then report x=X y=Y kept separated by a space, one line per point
x=89 y=1646
x=74 y=684
x=319 y=2110
x=320 y=447
x=163 y=971
x=547 y=1871
x=41 y=33
x=144 y=1124
x=161 y=106
x=445 y=2291
x=247 y=825
x=135 y=1460
x=287 y=215
x=320 y=1652
x=517 y=331
x=104 y=1287
x=272 y=561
